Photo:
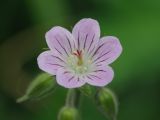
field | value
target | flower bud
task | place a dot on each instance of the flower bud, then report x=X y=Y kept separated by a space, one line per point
x=107 y=103
x=87 y=90
x=68 y=113
x=43 y=85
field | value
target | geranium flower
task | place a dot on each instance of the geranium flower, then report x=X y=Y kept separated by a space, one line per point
x=81 y=56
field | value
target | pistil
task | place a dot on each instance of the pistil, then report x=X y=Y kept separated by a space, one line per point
x=79 y=56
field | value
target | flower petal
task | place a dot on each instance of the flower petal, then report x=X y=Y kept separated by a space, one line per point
x=100 y=77
x=49 y=62
x=60 y=40
x=108 y=50
x=86 y=33
x=68 y=80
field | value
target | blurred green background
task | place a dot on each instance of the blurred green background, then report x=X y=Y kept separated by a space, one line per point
x=136 y=23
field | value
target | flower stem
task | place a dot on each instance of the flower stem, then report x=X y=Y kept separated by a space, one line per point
x=73 y=98
x=77 y=98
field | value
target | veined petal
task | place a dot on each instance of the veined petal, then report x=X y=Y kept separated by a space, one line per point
x=100 y=77
x=49 y=62
x=86 y=33
x=60 y=40
x=68 y=80
x=108 y=50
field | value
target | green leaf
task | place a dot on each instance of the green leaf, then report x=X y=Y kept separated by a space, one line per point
x=43 y=85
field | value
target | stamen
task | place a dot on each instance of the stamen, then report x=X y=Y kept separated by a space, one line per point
x=78 y=63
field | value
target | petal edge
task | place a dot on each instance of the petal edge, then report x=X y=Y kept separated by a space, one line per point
x=101 y=76
x=68 y=79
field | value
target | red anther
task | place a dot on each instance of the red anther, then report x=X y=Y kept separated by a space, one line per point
x=75 y=54
x=78 y=53
x=79 y=56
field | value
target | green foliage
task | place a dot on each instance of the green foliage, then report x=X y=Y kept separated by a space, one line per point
x=68 y=113
x=39 y=88
x=107 y=103
x=87 y=90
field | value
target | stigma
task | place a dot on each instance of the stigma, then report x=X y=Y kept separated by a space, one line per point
x=78 y=54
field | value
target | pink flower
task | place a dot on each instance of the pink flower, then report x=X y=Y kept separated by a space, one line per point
x=81 y=57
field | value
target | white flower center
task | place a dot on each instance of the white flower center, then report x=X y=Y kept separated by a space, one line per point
x=79 y=63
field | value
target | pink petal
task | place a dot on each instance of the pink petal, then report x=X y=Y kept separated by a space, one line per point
x=48 y=62
x=109 y=50
x=68 y=79
x=86 y=33
x=60 y=40
x=100 y=77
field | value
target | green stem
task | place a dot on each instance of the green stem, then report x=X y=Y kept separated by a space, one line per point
x=73 y=98
x=77 y=98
